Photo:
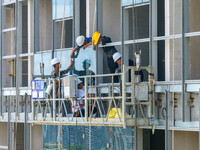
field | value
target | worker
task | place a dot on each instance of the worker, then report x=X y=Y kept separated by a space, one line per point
x=108 y=50
x=80 y=94
x=117 y=59
x=55 y=62
x=86 y=66
x=82 y=42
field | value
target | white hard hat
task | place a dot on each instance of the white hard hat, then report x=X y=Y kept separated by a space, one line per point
x=79 y=81
x=55 y=61
x=116 y=56
x=80 y=40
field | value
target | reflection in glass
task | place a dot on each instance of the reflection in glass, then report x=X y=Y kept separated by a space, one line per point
x=58 y=8
x=44 y=57
x=85 y=62
x=130 y=2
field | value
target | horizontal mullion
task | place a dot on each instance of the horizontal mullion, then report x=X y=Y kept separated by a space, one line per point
x=191 y=34
x=169 y=37
x=126 y=42
x=14 y=56
x=9 y=29
x=26 y=54
x=136 y=5
x=9 y=57
x=67 y=18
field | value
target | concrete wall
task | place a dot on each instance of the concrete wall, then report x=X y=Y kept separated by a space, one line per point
x=45 y=24
x=3 y=134
x=9 y=36
x=36 y=138
x=90 y=13
x=186 y=140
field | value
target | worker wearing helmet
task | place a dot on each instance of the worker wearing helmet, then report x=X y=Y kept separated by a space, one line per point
x=80 y=105
x=82 y=42
x=55 y=62
x=117 y=59
x=108 y=50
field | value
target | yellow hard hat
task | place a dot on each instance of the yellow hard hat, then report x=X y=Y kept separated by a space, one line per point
x=95 y=37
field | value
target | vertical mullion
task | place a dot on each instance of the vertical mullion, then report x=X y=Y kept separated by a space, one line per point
x=36 y=26
x=185 y=56
x=150 y=32
x=1 y=97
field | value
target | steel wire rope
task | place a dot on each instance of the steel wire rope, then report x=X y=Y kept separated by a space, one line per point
x=135 y=45
x=17 y=74
x=59 y=87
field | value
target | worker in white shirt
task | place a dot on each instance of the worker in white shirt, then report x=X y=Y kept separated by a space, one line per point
x=79 y=105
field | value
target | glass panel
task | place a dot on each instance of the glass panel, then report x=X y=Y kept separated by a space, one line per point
x=85 y=61
x=44 y=57
x=24 y=71
x=141 y=22
x=82 y=56
x=58 y=8
x=65 y=60
x=67 y=35
x=130 y=2
x=8 y=80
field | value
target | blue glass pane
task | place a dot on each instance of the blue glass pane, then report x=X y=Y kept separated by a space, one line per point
x=130 y=2
x=82 y=56
x=58 y=8
x=65 y=59
x=45 y=58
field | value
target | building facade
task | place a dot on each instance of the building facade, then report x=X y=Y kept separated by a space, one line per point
x=167 y=33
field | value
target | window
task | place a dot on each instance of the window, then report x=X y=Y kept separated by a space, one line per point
x=58 y=15
x=58 y=8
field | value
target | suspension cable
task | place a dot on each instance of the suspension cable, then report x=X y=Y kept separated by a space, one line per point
x=59 y=86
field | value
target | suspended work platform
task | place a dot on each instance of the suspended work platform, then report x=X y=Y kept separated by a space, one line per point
x=123 y=103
